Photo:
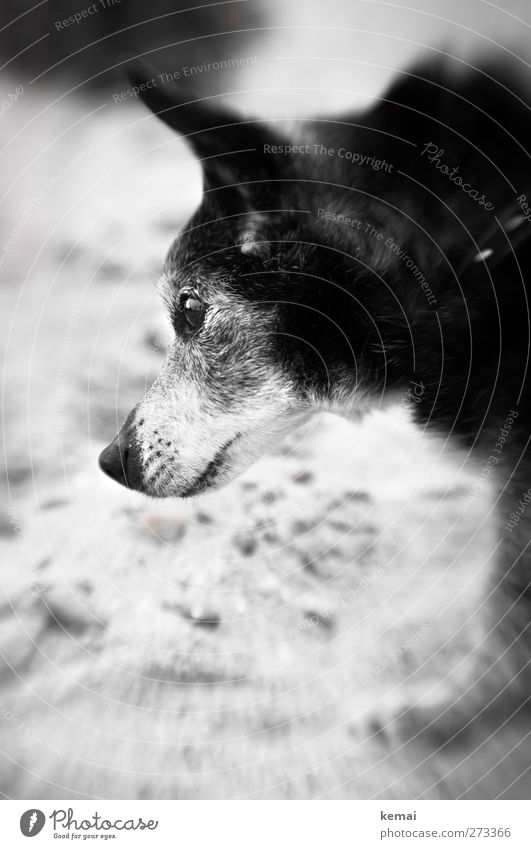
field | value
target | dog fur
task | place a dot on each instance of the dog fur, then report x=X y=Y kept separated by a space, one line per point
x=337 y=282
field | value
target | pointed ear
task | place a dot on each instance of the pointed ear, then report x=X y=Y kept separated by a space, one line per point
x=229 y=147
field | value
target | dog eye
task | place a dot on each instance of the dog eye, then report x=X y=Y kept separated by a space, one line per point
x=193 y=310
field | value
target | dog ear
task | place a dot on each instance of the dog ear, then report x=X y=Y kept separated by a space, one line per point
x=229 y=147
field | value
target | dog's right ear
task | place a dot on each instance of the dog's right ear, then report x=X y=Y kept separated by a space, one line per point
x=230 y=148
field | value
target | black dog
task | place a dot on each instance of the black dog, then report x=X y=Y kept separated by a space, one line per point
x=340 y=267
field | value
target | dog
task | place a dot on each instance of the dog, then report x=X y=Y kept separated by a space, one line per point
x=334 y=266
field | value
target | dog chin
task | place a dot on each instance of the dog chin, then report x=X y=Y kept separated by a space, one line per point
x=201 y=489
x=177 y=489
x=189 y=489
x=205 y=481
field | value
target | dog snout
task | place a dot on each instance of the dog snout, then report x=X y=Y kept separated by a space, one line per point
x=117 y=459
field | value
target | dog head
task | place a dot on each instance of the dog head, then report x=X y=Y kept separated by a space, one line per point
x=263 y=325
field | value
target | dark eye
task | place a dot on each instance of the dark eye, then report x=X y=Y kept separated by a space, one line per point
x=193 y=310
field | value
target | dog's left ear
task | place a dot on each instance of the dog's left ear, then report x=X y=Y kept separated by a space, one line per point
x=230 y=148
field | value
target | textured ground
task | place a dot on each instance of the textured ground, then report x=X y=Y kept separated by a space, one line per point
x=230 y=646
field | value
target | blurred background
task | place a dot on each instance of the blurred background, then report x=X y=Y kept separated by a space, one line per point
x=242 y=644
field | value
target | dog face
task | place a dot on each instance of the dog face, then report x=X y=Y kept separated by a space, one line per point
x=261 y=327
x=227 y=391
x=222 y=397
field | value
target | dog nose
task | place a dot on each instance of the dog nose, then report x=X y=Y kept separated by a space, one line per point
x=114 y=459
